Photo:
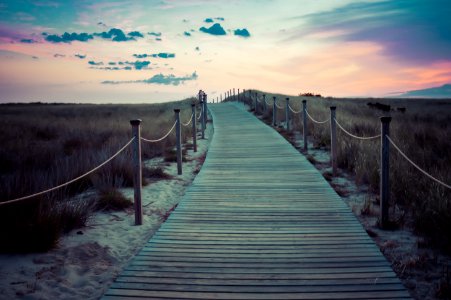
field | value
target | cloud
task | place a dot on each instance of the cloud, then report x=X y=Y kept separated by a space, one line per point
x=211 y=20
x=408 y=30
x=127 y=65
x=80 y=56
x=216 y=29
x=35 y=57
x=68 y=37
x=141 y=55
x=155 y=55
x=116 y=35
x=154 y=33
x=197 y=48
x=170 y=79
x=242 y=32
x=135 y=34
x=140 y=64
x=28 y=41
x=158 y=39
x=93 y=63
x=166 y=55
x=186 y=33
x=56 y=55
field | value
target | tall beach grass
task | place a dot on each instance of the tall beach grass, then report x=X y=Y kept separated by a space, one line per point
x=44 y=145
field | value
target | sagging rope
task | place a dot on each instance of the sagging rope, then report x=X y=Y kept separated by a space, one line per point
x=71 y=181
x=316 y=121
x=201 y=112
x=279 y=107
x=189 y=122
x=162 y=138
x=415 y=165
x=357 y=137
x=294 y=111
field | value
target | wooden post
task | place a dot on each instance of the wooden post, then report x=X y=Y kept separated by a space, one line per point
x=205 y=108
x=256 y=103
x=202 y=120
x=238 y=95
x=333 y=140
x=220 y=99
x=244 y=97
x=287 y=114
x=193 y=111
x=385 y=172
x=274 y=112
x=304 y=110
x=137 y=171
x=265 y=108
x=205 y=111
x=234 y=96
x=178 y=142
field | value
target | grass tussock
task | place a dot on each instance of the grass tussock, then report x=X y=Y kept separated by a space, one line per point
x=420 y=127
x=44 y=145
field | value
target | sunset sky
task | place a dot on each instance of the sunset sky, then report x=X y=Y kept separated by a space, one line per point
x=161 y=50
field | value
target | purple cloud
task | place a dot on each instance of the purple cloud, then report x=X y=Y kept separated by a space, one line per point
x=409 y=30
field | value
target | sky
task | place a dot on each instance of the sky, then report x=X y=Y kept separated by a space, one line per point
x=163 y=50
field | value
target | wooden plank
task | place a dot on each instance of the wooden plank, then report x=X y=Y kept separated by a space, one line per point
x=258 y=222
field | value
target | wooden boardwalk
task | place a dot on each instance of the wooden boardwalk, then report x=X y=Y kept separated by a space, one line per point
x=259 y=222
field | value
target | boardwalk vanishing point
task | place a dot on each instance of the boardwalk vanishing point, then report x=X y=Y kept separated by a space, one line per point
x=258 y=222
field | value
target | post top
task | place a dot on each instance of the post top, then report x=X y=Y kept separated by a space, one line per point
x=333 y=108
x=287 y=98
x=304 y=101
x=193 y=104
x=274 y=97
x=135 y=122
x=385 y=119
x=177 y=110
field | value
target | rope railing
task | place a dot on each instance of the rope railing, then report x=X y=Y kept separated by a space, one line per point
x=384 y=169
x=162 y=138
x=70 y=181
x=201 y=112
x=355 y=136
x=267 y=103
x=415 y=165
x=189 y=122
x=316 y=121
x=279 y=107
x=293 y=110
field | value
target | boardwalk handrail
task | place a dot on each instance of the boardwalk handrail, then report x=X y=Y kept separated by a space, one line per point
x=70 y=181
x=415 y=165
x=136 y=140
x=163 y=137
x=385 y=140
x=316 y=121
x=355 y=136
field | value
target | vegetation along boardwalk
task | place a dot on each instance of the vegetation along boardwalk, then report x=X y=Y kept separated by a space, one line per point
x=259 y=222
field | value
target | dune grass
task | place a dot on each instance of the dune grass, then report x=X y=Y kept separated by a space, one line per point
x=420 y=127
x=44 y=145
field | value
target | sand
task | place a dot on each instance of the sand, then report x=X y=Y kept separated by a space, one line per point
x=87 y=260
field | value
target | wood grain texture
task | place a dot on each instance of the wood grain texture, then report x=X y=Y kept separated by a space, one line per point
x=258 y=222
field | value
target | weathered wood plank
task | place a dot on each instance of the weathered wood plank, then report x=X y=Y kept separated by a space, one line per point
x=259 y=222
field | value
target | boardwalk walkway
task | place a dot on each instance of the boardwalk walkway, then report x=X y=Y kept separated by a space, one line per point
x=259 y=222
